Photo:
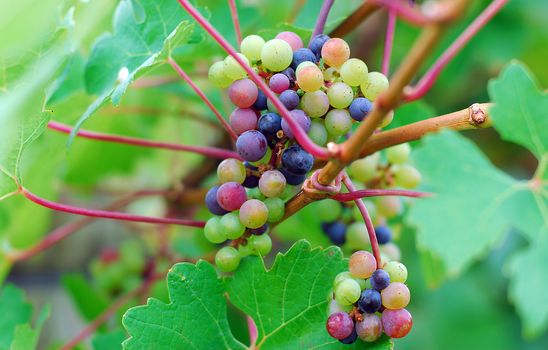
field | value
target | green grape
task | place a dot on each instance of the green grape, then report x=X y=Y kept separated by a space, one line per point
x=231 y=226
x=288 y=192
x=398 y=154
x=217 y=76
x=252 y=46
x=347 y=275
x=391 y=252
x=213 y=232
x=253 y=213
x=362 y=264
x=389 y=206
x=264 y=159
x=328 y=210
x=255 y=193
x=338 y=122
x=365 y=169
x=276 y=55
x=310 y=78
x=304 y=65
x=231 y=170
x=397 y=271
x=347 y=292
x=354 y=72
x=317 y=132
x=406 y=176
x=340 y=95
x=245 y=250
x=356 y=236
x=315 y=104
x=232 y=68
x=276 y=209
x=272 y=183
x=395 y=296
x=260 y=245
x=335 y=307
x=387 y=120
x=376 y=84
x=227 y=259
x=330 y=74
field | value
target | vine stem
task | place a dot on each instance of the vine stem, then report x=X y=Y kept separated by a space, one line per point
x=105 y=315
x=367 y=219
x=235 y=20
x=204 y=98
x=105 y=214
x=352 y=196
x=298 y=132
x=427 y=81
x=203 y=150
x=322 y=18
x=68 y=229
x=389 y=41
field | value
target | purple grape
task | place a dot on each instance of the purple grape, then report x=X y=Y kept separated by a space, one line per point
x=211 y=202
x=269 y=124
x=351 y=338
x=279 y=82
x=242 y=120
x=243 y=93
x=297 y=161
x=251 y=181
x=258 y=231
x=316 y=44
x=384 y=234
x=231 y=196
x=380 y=280
x=339 y=325
x=336 y=231
x=302 y=55
x=370 y=301
x=260 y=104
x=360 y=108
x=290 y=99
x=290 y=73
x=251 y=145
x=292 y=179
x=301 y=118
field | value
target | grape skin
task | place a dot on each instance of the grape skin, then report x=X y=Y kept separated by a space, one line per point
x=397 y=323
x=272 y=183
x=276 y=209
x=365 y=169
x=243 y=93
x=398 y=154
x=301 y=118
x=370 y=301
x=251 y=47
x=354 y=72
x=303 y=55
x=383 y=233
x=340 y=95
x=217 y=76
x=335 y=52
x=276 y=55
x=370 y=328
x=251 y=145
x=339 y=325
x=232 y=68
x=406 y=176
x=227 y=259
x=231 y=196
x=242 y=120
x=395 y=296
x=260 y=245
x=317 y=132
x=362 y=264
x=380 y=280
x=211 y=202
x=315 y=104
x=336 y=231
x=310 y=78
x=376 y=84
x=278 y=83
x=292 y=39
x=231 y=226
x=338 y=122
x=397 y=271
x=212 y=230
x=317 y=43
x=231 y=170
x=253 y=213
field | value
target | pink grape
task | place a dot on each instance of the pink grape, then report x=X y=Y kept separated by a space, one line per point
x=253 y=213
x=231 y=196
x=292 y=39
x=397 y=323
x=310 y=78
x=370 y=328
x=243 y=93
x=243 y=119
x=395 y=296
x=339 y=325
x=335 y=52
x=279 y=83
x=272 y=183
x=362 y=264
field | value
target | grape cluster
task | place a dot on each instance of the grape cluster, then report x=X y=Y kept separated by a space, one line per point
x=368 y=300
x=325 y=92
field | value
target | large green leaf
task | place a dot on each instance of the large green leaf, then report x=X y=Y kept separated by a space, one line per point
x=15 y=311
x=289 y=301
x=195 y=318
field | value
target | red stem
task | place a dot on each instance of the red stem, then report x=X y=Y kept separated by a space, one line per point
x=203 y=150
x=105 y=315
x=107 y=214
x=235 y=20
x=300 y=134
x=429 y=78
x=252 y=327
x=389 y=41
x=404 y=11
x=322 y=18
x=352 y=196
x=204 y=98
x=366 y=218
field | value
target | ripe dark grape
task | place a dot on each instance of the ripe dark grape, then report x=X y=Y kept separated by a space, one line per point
x=301 y=118
x=211 y=202
x=360 y=108
x=291 y=178
x=351 y=338
x=316 y=44
x=290 y=99
x=231 y=196
x=336 y=231
x=260 y=103
x=302 y=55
x=297 y=161
x=370 y=301
x=251 y=181
x=397 y=323
x=384 y=234
x=340 y=325
x=380 y=279
x=290 y=73
x=242 y=120
x=258 y=231
x=269 y=124
x=251 y=145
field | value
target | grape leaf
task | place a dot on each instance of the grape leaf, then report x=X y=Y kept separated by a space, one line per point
x=15 y=311
x=26 y=337
x=195 y=318
x=109 y=341
x=289 y=301
x=89 y=301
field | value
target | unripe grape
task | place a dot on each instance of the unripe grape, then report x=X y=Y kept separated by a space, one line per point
x=335 y=307
x=406 y=176
x=354 y=72
x=376 y=84
x=227 y=259
x=341 y=276
x=338 y=122
x=389 y=206
x=356 y=235
x=276 y=55
x=303 y=65
x=328 y=209
x=231 y=226
x=260 y=245
x=292 y=39
x=397 y=323
x=391 y=252
x=231 y=170
x=310 y=78
x=251 y=47
x=396 y=270
x=369 y=329
x=253 y=213
x=272 y=183
x=217 y=76
x=317 y=132
x=232 y=68
x=398 y=154
x=365 y=169
x=212 y=230
x=331 y=74
x=340 y=95
x=395 y=296
x=315 y=104
x=362 y=264
x=335 y=52
x=276 y=209
x=347 y=292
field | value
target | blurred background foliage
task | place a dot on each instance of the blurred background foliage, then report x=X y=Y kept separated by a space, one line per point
x=468 y=311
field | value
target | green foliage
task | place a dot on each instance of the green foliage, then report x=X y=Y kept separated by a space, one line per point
x=87 y=299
